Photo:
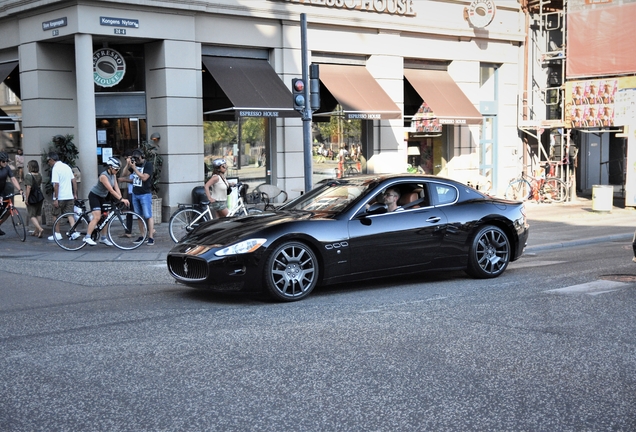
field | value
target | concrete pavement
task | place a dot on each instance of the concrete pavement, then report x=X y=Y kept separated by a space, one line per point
x=551 y=226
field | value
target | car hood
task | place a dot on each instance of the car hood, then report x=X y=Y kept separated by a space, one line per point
x=229 y=230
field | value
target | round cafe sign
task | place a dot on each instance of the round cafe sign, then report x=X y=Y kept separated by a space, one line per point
x=481 y=13
x=109 y=67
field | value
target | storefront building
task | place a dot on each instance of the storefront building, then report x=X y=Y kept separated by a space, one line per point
x=429 y=86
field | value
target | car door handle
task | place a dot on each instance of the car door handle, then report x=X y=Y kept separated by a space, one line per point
x=433 y=219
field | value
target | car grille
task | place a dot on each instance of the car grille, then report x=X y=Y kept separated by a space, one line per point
x=188 y=268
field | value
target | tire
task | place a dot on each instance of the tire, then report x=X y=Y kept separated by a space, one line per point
x=291 y=272
x=554 y=190
x=116 y=230
x=18 y=224
x=518 y=190
x=489 y=253
x=72 y=236
x=179 y=221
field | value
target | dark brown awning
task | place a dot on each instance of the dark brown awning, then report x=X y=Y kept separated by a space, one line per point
x=252 y=88
x=446 y=100
x=6 y=122
x=359 y=94
x=6 y=69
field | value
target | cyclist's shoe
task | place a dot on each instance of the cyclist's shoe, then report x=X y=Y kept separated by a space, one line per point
x=139 y=240
x=105 y=241
x=75 y=236
x=57 y=235
x=89 y=241
x=1 y=232
x=151 y=242
x=634 y=259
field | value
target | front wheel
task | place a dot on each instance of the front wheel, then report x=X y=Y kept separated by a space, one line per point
x=291 y=271
x=518 y=190
x=72 y=230
x=18 y=224
x=126 y=228
x=489 y=253
x=181 y=223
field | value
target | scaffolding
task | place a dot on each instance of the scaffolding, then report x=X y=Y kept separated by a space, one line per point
x=541 y=107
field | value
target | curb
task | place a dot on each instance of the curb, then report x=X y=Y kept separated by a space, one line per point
x=581 y=242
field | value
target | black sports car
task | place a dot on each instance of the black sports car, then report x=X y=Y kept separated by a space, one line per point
x=342 y=230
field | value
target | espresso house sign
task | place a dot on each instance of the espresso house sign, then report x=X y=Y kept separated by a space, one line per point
x=392 y=7
x=109 y=67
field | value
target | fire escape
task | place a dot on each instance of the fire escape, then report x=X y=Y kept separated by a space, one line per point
x=542 y=102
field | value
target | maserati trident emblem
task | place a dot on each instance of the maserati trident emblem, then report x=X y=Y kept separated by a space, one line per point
x=185 y=267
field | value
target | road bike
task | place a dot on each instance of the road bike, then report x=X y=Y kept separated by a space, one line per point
x=190 y=216
x=526 y=187
x=71 y=234
x=8 y=209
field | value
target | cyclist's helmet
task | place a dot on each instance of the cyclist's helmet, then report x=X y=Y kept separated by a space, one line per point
x=113 y=162
x=4 y=157
x=217 y=163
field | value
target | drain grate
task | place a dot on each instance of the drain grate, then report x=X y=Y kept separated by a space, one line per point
x=620 y=278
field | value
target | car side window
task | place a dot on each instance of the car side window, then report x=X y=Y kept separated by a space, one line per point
x=445 y=194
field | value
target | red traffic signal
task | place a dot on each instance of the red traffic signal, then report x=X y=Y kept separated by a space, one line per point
x=298 y=92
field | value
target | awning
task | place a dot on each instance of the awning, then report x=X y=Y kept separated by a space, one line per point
x=251 y=86
x=359 y=94
x=447 y=102
x=6 y=122
x=6 y=69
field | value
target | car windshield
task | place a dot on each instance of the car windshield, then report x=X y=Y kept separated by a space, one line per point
x=330 y=197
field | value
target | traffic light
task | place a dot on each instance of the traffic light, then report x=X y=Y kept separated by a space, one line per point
x=314 y=86
x=298 y=91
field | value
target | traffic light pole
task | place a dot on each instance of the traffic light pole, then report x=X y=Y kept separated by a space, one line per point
x=306 y=112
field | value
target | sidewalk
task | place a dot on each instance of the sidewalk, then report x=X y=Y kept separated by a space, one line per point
x=551 y=226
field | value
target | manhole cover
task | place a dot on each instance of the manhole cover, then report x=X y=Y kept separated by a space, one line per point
x=620 y=278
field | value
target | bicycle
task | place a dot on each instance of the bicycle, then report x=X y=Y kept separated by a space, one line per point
x=349 y=169
x=113 y=218
x=526 y=187
x=8 y=209
x=189 y=216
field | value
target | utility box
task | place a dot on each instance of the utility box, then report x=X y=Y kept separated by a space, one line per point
x=602 y=198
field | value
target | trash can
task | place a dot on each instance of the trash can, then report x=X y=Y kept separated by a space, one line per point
x=602 y=198
x=198 y=195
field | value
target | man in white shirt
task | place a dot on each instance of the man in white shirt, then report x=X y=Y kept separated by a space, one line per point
x=64 y=189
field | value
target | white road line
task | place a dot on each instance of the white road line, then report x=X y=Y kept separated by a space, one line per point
x=531 y=263
x=591 y=288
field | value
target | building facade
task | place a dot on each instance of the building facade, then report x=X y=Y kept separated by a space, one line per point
x=422 y=85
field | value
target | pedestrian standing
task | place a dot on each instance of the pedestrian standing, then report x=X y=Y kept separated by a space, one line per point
x=142 y=192
x=216 y=188
x=19 y=165
x=6 y=173
x=32 y=181
x=64 y=190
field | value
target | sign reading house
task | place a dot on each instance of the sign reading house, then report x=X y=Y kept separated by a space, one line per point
x=109 y=67
x=392 y=7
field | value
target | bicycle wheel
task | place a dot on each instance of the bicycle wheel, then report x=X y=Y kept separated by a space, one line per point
x=71 y=237
x=351 y=171
x=180 y=223
x=18 y=224
x=118 y=231
x=518 y=190
x=554 y=190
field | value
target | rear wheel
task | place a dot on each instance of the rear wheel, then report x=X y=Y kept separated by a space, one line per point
x=18 y=224
x=489 y=253
x=291 y=271
x=518 y=190
x=554 y=190
x=71 y=237
x=118 y=230
x=180 y=223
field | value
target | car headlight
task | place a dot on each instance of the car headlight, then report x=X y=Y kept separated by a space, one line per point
x=246 y=246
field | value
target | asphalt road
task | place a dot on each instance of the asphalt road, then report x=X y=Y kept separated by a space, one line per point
x=118 y=346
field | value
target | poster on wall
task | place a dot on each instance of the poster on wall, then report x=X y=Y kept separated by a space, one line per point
x=599 y=102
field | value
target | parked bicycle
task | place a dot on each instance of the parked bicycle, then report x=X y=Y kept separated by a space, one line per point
x=9 y=210
x=189 y=216
x=113 y=219
x=527 y=187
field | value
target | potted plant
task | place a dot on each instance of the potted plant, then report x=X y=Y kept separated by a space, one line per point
x=67 y=151
x=151 y=154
